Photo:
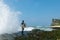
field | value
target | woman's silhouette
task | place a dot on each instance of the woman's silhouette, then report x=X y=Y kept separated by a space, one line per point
x=23 y=25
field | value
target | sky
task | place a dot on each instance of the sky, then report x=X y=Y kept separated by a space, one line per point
x=36 y=12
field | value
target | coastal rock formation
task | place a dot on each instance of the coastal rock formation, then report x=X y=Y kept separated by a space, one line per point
x=55 y=23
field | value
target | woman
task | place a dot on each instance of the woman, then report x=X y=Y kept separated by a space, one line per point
x=23 y=25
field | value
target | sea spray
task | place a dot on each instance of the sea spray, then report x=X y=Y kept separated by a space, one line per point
x=9 y=20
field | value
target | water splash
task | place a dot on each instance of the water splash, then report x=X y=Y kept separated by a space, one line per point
x=9 y=22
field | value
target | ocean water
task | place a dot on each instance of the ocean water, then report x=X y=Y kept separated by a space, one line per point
x=9 y=20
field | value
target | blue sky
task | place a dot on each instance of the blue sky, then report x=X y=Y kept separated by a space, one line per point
x=36 y=12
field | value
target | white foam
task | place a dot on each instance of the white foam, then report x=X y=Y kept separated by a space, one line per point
x=9 y=22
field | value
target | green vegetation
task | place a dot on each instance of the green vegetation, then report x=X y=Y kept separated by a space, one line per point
x=37 y=34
